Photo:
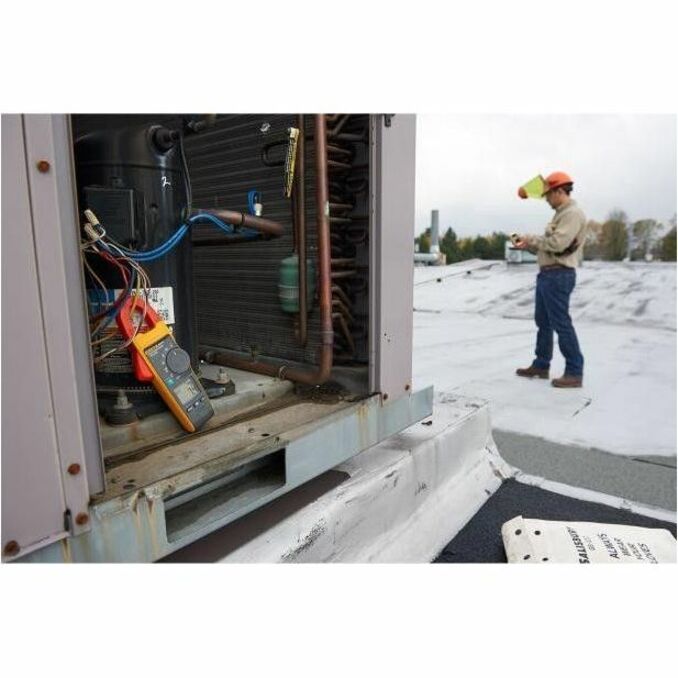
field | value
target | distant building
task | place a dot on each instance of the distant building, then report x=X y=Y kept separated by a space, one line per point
x=516 y=256
x=430 y=259
x=434 y=257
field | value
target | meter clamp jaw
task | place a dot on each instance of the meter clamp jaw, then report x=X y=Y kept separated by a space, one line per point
x=158 y=358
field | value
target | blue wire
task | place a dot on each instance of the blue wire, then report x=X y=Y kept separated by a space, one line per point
x=161 y=250
x=178 y=235
x=171 y=243
x=249 y=233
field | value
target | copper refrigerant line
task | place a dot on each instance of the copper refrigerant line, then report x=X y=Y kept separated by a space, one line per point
x=300 y=228
x=346 y=230
x=265 y=226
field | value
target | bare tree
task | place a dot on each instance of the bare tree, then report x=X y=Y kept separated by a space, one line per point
x=593 y=240
x=618 y=215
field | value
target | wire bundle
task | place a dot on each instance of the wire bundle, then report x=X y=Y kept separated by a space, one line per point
x=178 y=235
x=128 y=263
x=135 y=281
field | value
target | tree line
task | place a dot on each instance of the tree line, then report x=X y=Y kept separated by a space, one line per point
x=455 y=249
x=615 y=239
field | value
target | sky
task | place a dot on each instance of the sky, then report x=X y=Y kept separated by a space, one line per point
x=470 y=167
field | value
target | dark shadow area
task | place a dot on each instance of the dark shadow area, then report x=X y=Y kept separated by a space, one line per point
x=649 y=480
x=220 y=543
x=480 y=540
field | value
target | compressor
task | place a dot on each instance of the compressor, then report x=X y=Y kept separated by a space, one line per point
x=134 y=179
x=133 y=182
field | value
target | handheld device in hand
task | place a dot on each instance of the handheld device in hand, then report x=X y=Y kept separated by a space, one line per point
x=158 y=358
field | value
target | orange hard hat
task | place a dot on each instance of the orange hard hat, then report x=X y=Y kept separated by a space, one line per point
x=556 y=180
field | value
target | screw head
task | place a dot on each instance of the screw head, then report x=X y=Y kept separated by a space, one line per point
x=74 y=469
x=222 y=376
x=81 y=519
x=11 y=548
x=43 y=166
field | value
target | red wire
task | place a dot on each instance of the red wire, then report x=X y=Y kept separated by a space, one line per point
x=123 y=296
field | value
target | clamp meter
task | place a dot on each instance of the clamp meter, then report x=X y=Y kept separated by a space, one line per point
x=158 y=358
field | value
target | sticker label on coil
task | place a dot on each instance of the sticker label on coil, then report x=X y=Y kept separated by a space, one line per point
x=161 y=298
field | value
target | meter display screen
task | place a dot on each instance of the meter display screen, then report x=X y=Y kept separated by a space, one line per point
x=186 y=391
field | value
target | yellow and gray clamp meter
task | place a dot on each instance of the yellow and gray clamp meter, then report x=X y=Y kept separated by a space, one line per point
x=158 y=358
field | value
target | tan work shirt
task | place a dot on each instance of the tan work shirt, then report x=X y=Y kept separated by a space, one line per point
x=563 y=239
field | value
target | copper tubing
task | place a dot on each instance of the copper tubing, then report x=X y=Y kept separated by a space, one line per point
x=346 y=136
x=356 y=185
x=345 y=331
x=301 y=233
x=272 y=228
x=339 y=150
x=337 y=128
x=341 y=294
x=321 y=373
x=340 y=158
x=343 y=309
x=339 y=166
x=336 y=275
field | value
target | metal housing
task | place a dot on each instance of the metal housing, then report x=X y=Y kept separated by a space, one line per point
x=55 y=503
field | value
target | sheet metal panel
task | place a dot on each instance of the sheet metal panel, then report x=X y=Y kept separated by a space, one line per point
x=392 y=214
x=56 y=228
x=33 y=504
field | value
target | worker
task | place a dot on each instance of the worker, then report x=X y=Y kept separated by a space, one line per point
x=559 y=251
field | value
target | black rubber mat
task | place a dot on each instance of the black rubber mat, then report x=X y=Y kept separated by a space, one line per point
x=480 y=539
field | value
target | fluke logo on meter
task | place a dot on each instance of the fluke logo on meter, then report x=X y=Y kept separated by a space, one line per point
x=158 y=358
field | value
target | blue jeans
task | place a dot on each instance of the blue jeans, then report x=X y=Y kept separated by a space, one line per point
x=552 y=312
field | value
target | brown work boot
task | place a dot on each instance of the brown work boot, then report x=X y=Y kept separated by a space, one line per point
x=567 y=381
x=532 y=372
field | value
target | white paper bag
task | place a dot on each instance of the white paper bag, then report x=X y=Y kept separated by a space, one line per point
x=528 y=540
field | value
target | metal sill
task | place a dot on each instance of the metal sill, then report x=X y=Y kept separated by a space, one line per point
x=164 y=515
